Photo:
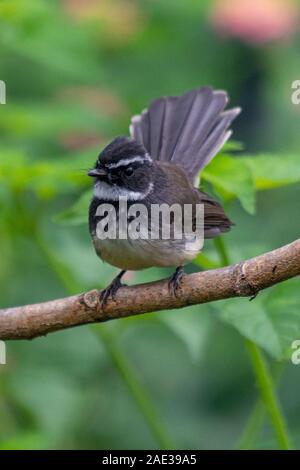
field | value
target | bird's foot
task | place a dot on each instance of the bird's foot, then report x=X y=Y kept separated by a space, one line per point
x=253 y=296
x=175 y=280
x=111 y=290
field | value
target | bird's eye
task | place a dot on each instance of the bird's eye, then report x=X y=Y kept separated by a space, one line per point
x=128 y=171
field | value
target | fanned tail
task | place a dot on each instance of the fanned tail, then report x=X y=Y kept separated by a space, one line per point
x=188 y=130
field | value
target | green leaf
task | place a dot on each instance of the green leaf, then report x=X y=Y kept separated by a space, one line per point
x=232 y=177
x=206 y=262
x=272 y=320
x=191 y=326
x=240 y=176
x=45 y=178
x=26 y=440
x=38 y=31
x=232 y=146
x=51 y=120
x=273 y=171
x=76 y=214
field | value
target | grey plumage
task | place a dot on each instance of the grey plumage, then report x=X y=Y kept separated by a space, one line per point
x=187 y=130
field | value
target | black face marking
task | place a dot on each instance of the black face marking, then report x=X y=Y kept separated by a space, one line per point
x=134 y=177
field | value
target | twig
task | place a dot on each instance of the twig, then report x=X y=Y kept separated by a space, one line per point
x=244 y=279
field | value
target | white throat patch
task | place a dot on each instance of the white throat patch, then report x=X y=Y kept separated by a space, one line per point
x=108 y=192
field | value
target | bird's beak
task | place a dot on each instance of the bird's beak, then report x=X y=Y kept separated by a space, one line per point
x=98 y=172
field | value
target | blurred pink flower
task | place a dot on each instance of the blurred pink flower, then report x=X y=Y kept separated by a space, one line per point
x=256 y=21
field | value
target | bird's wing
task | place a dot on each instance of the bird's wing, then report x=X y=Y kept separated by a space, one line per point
x=179 y=190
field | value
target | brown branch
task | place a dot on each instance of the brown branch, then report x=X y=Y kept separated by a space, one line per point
x=240 y=280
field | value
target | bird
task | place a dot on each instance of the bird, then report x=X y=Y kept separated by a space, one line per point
x=160 y=162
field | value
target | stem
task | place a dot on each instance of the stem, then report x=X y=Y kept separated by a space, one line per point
x=265 y=383
x=253 y=426
x=256 y=420
x=136 y=388
x=139 y=393
x=222 y=250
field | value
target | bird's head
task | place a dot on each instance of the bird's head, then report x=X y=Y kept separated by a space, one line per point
x=123 y=169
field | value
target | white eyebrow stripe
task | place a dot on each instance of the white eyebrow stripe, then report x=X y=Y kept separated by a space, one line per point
x=127 y=161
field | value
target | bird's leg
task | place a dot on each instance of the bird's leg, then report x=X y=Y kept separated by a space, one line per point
x=175 y=280
x=111 y=290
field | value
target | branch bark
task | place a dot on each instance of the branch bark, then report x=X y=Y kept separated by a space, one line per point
x=244 y=279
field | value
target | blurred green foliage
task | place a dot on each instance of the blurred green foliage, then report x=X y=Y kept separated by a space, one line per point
x=75 y=73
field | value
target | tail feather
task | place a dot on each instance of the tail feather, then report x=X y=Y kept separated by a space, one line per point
x=187 y=130
x=140 y=129
x=136 y=130
x=179 y=119
x=217 y=137
x=157 y=118
x=146 y=128
x=169 y=107
x=207 y=108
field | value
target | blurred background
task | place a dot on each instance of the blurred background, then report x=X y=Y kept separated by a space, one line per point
x=75 y=71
